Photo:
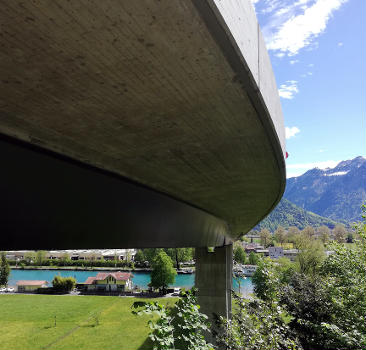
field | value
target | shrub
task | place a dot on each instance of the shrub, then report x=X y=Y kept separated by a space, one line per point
x=256 y=325
x=181 y=326
x=63 y=284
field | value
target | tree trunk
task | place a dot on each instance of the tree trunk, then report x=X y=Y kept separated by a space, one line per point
x=176 y=258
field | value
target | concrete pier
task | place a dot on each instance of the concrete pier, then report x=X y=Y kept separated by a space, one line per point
x=214 y=280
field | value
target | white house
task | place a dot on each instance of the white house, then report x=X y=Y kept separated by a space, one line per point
x=109 y=281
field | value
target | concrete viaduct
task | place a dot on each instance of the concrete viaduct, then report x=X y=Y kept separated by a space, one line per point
x=138 y=124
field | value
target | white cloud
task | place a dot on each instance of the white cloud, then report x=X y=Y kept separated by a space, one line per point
x=288 y=90
x=299 y=26
x=291 y=132
x=300 y=168
x=279 y=54
x=311 y=65
x=340 y=44
x=304 y=75
x=294 y=61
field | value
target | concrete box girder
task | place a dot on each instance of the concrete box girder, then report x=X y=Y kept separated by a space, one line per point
x=146 y=90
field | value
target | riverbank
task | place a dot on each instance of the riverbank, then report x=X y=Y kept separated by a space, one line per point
x=79 y=268
x=94 y=268
x=140 y=278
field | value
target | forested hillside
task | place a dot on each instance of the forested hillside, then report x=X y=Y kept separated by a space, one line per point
x=287 y=214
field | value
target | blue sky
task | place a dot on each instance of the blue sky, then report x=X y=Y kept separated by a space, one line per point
x=317 y=49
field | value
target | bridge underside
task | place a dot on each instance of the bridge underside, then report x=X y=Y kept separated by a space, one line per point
x=135 y=123
x=48 y=201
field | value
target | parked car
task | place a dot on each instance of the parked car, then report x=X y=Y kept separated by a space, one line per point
x=176 y=292
x=10 y=290
x=2 y=290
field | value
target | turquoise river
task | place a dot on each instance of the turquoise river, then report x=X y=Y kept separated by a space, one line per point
x=140 y=279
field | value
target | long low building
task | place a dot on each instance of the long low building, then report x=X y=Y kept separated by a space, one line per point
x=95 y=254
x=30 y=286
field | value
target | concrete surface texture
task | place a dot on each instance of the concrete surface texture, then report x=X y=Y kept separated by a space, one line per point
x=213 y=279
x=178 y=96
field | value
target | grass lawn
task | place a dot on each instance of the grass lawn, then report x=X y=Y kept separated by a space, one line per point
x=82 y=322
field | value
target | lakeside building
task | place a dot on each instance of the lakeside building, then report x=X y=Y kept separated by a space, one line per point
x=264 y=252
x=109 y=282
x=30 y=286
x=16 y=255
x=249 y=270
x=275 y=252
x=85 y=254
x=251 y=247
x=290 y=254
x=244 y=270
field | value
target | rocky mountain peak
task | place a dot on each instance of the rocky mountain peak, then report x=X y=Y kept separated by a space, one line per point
x=336 y=192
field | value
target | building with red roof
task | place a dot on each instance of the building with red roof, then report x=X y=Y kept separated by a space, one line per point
x=109 y=281
x=31 y=285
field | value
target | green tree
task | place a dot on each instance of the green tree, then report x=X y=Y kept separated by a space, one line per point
x=40 y=257
x=339 y=233
x=265 y=237
x=191 y=323
x=65 y=258
x=239 y=254
x=253 y=258
x=151 y=253
x=180 y=327
x=63 y=284
x=350 y=237
x=180 y=255
x=256 y=325
x=328 y=311
x=310 y=256
x=4 y=270
x=301 y=240
x=163 y=272
x=140 y=256
x=308 y=232
x=128 y=256
x=292 y=232
x=266 y=281
x=30 y=256
x=324 y=302
x=293 y=235
x=308 y=305
x=280 y=235
x=270 y=277
x=324 y=234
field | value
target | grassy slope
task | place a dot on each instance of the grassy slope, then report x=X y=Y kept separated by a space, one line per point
x=27 y=322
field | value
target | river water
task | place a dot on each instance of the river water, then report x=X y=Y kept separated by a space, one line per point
x=141 y=279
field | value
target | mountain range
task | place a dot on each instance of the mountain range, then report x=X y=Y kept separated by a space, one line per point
x=322 y=197
x=336 y=193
